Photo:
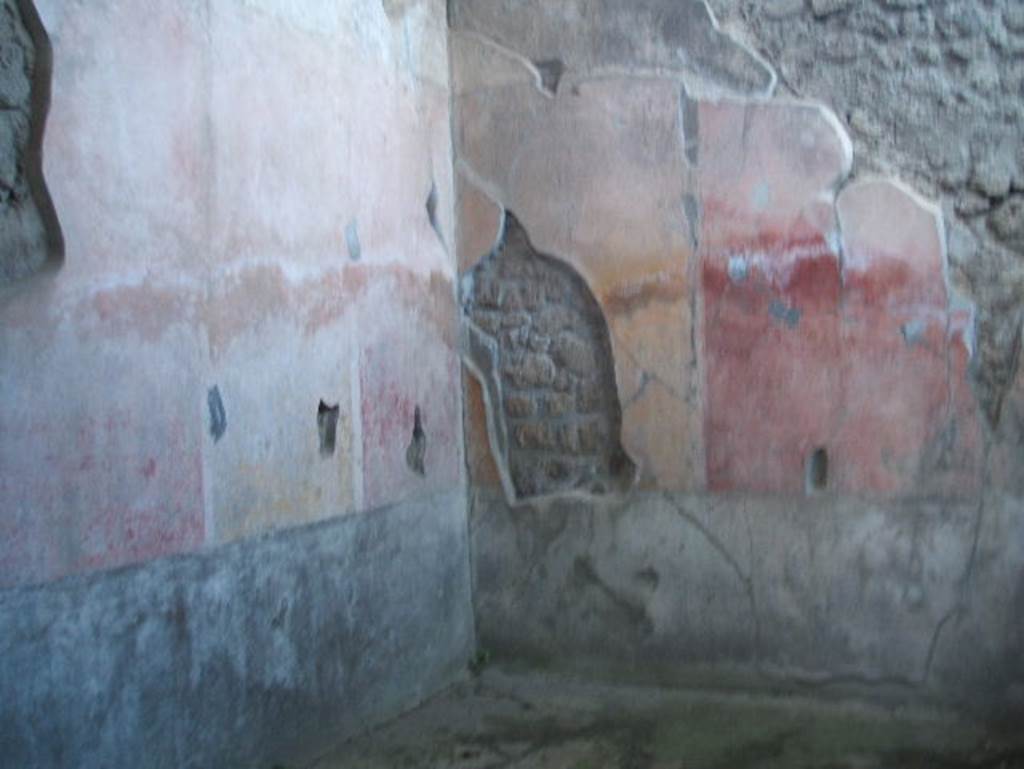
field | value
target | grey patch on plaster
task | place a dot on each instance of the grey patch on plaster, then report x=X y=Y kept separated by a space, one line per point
x=913 y=331
x=538 y=341
x=761 y=197
x=691 y=128
x=789 y=315
x=739 y=269
x=432 y=214
x=691 y=210
x=415 y=454
x=327 y=428
x=551 y=71
x=218 y=417
x=355 y=248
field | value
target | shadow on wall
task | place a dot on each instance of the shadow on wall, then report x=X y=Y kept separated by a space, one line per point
x=30 y=236
x=540 y=345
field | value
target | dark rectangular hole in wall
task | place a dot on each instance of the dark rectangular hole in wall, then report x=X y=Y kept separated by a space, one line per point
x=327 y=424
x=416 y=453
x=817 y=471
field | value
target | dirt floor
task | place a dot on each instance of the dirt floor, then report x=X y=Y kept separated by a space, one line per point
x=530 y=722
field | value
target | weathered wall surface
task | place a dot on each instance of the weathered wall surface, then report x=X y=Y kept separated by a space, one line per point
x=757 y=298
x=913 y=601
x=256 y=654
x=819 y=498
x=257 y=300
x=933 y=91
x=243 y=188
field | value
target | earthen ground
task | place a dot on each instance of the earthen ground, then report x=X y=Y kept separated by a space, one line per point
x=501 y=721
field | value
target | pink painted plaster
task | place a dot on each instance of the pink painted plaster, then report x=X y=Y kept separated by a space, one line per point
x=826 y=326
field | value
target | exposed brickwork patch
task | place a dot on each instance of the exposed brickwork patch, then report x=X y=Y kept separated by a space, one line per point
x=554 y=371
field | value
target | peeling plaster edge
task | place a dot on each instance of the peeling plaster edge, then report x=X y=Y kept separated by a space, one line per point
x=543 y=503
x=958 y=302
x=826 y=113
x=465 y=282
x=697 y=86
x=700 y=85
x=773 y=77
x=489 y=191
x=499 y=455
x=926 y=205
x=40 y=102
x=837 y=238
x=845 y=142
x=509 y=53
x=955 y=300
x=477 y=180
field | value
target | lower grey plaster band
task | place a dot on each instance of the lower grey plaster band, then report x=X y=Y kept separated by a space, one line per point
x=259 y=653
x=882 y=600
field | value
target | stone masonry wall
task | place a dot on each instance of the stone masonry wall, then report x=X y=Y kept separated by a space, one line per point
x=558 y=399
x=932 y=90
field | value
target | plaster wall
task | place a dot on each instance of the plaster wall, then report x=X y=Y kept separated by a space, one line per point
x=232 y=519
x=818 y=500
x=259 y=653
x=243 y=188
x=931 y=91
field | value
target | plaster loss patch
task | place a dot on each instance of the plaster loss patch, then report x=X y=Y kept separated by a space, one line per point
x=540 y=345
x=327 y=428
x=415 y=454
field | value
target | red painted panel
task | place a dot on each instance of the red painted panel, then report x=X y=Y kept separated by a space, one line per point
x=856 y=353
x=95 y=493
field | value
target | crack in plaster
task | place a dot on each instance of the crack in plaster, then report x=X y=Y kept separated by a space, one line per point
x=745 y=579
x=583 y=569
x=646 y=375
x=825 y=680
x=524 y=61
